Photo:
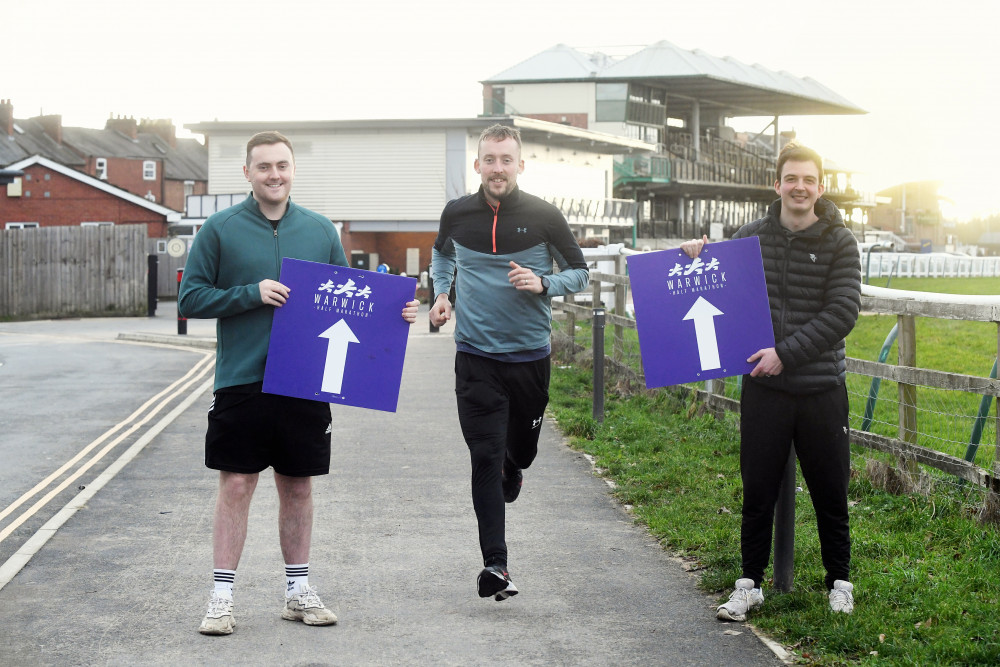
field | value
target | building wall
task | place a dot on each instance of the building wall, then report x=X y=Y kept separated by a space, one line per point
x=550 y=171
x=126 y=173
x=363 y=175
x=391 y=247
x=387 y=187
x=923 y=212
x=70 y=202
x=173 y=193
x=531 y=99
x=579 y=120
x=616 y=128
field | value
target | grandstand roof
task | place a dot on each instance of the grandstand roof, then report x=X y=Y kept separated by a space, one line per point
x=727 y=84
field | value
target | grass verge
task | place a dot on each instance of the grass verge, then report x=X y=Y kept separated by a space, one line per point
x=925 y=571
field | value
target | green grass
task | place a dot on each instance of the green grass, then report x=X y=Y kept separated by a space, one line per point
x=916 y=560
x=927 y=573
x=969 y=348
x=944 y=418
x=941 y=285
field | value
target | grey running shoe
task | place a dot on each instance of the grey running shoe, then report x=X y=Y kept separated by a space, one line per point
x=842 y=597
x=308 y=608
x=742 y=600
x=495 y=581
x=219 y=619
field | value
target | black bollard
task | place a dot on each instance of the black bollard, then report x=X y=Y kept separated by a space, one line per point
x=598 y=345
x=152 y=261
x=182 y=323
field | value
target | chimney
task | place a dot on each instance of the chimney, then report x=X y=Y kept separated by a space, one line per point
x=6 y=117
x=161 y=127
x=52 y=125
x=126 y=126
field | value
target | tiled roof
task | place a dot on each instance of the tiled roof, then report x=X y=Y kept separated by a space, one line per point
x=188 y=161
x=29 y=138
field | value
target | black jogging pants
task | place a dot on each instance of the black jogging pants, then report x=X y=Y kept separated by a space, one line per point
x=771 y=421
x=500 y=409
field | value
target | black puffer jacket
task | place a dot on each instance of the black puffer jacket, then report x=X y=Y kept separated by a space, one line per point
x=814 y=289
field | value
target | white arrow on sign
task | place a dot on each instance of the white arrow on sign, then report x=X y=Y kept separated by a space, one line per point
x=703 y=313
x=339 y=336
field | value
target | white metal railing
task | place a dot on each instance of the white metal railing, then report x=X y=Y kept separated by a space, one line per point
x=928 y=265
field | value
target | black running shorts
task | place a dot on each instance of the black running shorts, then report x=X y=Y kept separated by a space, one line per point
x=249 y=432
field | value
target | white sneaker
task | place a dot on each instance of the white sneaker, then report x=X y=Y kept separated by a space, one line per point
x=742 y=600
x=219 y=619
x=842 y=597
x=308 y=608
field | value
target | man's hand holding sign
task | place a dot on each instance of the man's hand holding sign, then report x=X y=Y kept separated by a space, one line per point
x=767 y=360
x=701 y=312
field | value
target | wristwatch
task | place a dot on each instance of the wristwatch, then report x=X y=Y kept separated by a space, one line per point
x=545 y=286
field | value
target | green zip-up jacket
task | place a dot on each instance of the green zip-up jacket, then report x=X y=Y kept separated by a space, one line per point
x=235 y=250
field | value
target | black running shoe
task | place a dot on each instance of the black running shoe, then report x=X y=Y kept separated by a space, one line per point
x=495 y=581
x=511 y=483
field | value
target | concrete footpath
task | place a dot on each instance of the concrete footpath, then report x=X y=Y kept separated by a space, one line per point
x=395 y=554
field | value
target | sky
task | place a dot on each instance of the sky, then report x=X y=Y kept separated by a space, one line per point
x=925 y=72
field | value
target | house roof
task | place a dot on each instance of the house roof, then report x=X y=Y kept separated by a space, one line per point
x=170 y=214
x=29 y=138
x=734 y=87
x=188 y=161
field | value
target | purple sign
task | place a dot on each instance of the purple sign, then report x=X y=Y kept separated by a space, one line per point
x=700 y=319
x=340 y=337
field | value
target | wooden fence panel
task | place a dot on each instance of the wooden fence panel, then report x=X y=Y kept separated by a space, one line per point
x=906 y=305
x=53 y=272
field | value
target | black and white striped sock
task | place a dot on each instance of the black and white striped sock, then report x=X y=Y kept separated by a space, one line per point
x=224 y=582
x=296 y=579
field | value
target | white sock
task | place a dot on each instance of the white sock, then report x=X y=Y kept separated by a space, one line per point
x=224 y=582
x=296 y=579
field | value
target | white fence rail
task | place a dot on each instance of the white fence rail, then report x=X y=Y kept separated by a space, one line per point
x=928 y=265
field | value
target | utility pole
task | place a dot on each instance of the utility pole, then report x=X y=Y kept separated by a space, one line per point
x=902 y=213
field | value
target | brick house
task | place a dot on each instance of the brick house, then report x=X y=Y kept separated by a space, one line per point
x=142 y=157
x=51 y=194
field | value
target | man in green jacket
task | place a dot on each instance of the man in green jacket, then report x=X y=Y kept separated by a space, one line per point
x=231 y=274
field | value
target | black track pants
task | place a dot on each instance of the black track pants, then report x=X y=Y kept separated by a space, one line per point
x=500 y=408
x=771 y=421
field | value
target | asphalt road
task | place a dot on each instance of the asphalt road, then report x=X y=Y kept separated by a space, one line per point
x=124 y=578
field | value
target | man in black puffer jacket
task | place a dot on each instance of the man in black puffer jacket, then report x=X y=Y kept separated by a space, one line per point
x=796 y=394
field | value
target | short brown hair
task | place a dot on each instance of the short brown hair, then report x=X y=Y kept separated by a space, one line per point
x=266 y=139
x=500 y=133
x=798 y=153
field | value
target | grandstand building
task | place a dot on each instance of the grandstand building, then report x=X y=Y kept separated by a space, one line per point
x=704 y=177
